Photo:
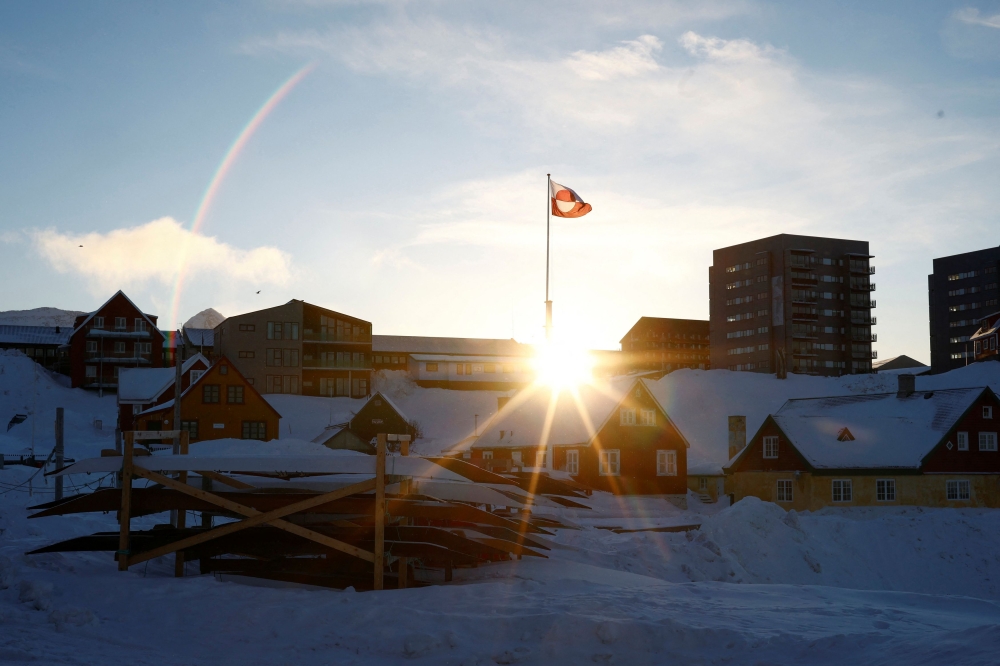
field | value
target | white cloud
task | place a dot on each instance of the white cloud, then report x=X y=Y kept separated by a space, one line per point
x=633 y=58
x=971 y=16
x=158 y=252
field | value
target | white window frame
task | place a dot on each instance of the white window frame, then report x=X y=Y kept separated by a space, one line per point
x=846 y=491
x=702 y=483
x=954 y=490
x=540 y=459
x=516 y=457
x=783 y=490
x=963 y=441
x=987 y=441
x=98 y=323
x=768 y=442
x=987 y=412
x=666 y=463
x=626 y=416
x=91 y=346
x=885 y=490
x=572 y=462
x=611 y=462
x=121 y=323
x=196 y=375
x=647 y=417
x=487 y=455
x=120 y=347
x=90 y=372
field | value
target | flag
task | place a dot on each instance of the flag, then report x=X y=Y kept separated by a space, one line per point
x=566 y=202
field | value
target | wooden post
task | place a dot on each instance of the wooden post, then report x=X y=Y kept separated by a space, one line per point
x=404 y=489
x=182 y=477
x=125 y=517
x=379 y=509
x=60 y=451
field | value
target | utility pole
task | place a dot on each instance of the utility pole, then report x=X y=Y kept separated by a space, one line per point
x=548 y=225
x=178 y=375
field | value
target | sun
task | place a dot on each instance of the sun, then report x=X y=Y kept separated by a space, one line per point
x=561 y=365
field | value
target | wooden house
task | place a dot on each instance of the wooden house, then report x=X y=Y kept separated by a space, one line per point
x=219 y=404
x=707 y=481
x=614 y=437
x=140 y=389
x=377 y=415
x=924 y=448
x=985 y=339
x=117 y=335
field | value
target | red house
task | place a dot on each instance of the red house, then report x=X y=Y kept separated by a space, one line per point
x=142 y=388
x=985 y=339
x=117 y=335
x=614 y=437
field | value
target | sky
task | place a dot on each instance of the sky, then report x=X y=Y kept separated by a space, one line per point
x=388 y=159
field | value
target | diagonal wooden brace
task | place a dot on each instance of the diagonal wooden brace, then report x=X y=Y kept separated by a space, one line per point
x=254 y=518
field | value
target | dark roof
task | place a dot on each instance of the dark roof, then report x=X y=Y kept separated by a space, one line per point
x=35 y=335
x=898 y=363
x=667 y=323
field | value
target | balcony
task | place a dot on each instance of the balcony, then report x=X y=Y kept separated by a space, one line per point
x=322 y=336
x=117 y=333
x=802 y=296
x=862 y=284
x=861 y=267
x=807 y=278
x=863 y=318
x=96 y=357
x=863 y=337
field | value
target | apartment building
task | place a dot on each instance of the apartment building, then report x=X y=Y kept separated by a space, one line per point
x=960 y=292
x=792 y=303
x=663 y=345
x=299 y=348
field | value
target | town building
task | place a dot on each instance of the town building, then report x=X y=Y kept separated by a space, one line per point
x=218 y=404
x=140 y=389
x=707 y=481
x=792 y=303
x=378 y=415
x=48 y=346
x=456 y=363
x=614 y=437
x=663 y=345
x=960 y=291
x=299 y=348
x=115 y=336
x=924 y=448
x=200 y=340
x=900 y=363
x=984 y=340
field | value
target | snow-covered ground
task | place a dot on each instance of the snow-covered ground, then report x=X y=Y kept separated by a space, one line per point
x=753 y=585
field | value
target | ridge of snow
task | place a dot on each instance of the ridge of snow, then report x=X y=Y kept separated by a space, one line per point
x=40 y=317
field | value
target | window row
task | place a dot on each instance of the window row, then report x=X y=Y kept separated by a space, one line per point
x=139 y=324
x=249 y=430
x=610 y=463
x=211 y=394
x=120 y=347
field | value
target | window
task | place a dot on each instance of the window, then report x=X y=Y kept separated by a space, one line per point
x=515 y=456
x=963 y=441
x=610 y=462
x=648 y=417
x=143 y=348
x=573 y=462
x=784 y=490
x=91 y=346
x=666 y=463
x=196 y=375
x=885 y=490
x=234 y=395
x=210 y=393
x=987 y=412
x=958 y=490
x=90 y=371
x=274 y=330
x=246 y=354
x=140 y=325
x=254 y=430
x=431 y=367
x=490 y=368
x=987 y=441
x=842 y=490
x=248 y=328
x=627 y=417
x=120 y=323
x=98 y=322
x=223 y=369
x=192 y=429
x=487 y=455
x=540 y=459
x=771 y=446
x=120 y=347
x=702 y=483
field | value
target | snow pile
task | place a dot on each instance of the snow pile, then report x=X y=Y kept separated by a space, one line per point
x=208 y=318
x=40 y=317
x=274 y=447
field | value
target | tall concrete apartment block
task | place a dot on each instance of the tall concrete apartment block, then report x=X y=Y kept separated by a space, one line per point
x=797 y=304
x=961 y=291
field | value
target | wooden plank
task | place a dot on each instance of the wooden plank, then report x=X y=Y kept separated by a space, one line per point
x=254 y=517
x=379 y=509
x=125 y=515
x=404 y=490
x=225 y=480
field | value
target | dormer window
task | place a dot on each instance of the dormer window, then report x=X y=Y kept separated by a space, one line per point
x=845 y=435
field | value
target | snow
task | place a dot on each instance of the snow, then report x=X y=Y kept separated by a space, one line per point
x=49 y=317
x=208 y=318
x=34 y=335
x=143 y=385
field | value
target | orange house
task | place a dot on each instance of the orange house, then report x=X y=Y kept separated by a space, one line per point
x=220 y=404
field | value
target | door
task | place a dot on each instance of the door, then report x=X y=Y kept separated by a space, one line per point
x=720 y=488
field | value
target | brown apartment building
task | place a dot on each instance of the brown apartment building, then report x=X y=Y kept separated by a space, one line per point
x=664 y=345
x=792 y=304
x=299 y=348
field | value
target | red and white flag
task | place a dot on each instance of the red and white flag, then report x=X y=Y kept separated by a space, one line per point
x=566 y=202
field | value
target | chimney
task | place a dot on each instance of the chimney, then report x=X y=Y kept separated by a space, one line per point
x=737 y=435
x=502 y=401
x=907 y=385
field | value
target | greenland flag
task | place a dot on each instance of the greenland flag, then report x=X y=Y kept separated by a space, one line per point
x=566 y=202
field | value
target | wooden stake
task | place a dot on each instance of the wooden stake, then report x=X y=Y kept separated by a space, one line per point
x=125 y=515
x=379 y=510
x=182 y=477
x=404 y=490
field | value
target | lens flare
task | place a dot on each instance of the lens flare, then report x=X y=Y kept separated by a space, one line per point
x=563 y=366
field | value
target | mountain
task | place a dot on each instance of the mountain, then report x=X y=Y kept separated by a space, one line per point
x=40 y=317
x=205 y=319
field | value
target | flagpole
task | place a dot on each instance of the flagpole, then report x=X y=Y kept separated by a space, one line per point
x=548 y=224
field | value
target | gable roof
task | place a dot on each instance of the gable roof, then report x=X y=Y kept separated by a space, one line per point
x=145 y=385
x=232 y=368
x=678 y=325
x=91 y=315
x=200 y=337
x=889 y=431
x=988 y=325
x=900 y=362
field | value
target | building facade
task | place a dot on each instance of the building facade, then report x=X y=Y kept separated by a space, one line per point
x=117 y=335
x=663 y=345
x=299 y=348
x=985 y=340
x=48 y=346
x=961 y=290
x=791 y=303
x=457 y=363
x=140 y=389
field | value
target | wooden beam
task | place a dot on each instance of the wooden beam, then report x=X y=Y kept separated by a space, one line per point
x=125 y=514
x=182 y=477
x=254 y=518
x=225 y=480
x=379 y=509
x=404 y=490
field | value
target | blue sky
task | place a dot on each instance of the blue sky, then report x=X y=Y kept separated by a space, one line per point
x=403 y=180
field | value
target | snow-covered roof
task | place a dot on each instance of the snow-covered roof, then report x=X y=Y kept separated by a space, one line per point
x=990 y=325
x=34 y=335
x=888 y=431
x=900 y=362
x=467 y=358
x=417 y=344
x=574 y=417
x=90 y=315
x=40 y=317
x=200 y=337
x=144 y=385
x=704 y=469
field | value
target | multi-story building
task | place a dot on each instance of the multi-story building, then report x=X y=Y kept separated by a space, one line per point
x=664 y=345
x=457 y=363
x=299 y=348
x=961 y=290
x=792 y=304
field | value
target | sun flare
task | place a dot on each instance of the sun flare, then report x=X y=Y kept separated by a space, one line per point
x=561 y=366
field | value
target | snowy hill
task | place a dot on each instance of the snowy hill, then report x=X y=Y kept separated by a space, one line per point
x=205 y=319
x=39 y=317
